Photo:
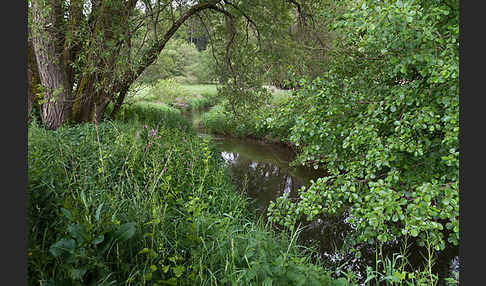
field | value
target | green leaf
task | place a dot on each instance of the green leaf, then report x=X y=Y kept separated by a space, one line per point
x=126 y=231
x=78 y=232
x=165 y=268
x=178 y=270
x=63 y=246
x=107 y=242
x=67 y=214
x=414 y=232
x=339 y=282
x=98 y=212
x=99 y=239
x=78 y=273
x=171 y=281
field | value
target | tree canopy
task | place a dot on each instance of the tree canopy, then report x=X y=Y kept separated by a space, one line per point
x=89 y=53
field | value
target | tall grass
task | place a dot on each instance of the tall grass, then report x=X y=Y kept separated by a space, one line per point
x=144 y=201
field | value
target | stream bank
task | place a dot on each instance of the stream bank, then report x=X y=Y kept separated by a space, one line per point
x=261 y=170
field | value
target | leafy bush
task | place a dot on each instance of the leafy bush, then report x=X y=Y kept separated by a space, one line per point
x=384 y=122
x=217 y=120
x=153 y=113
x=181 y=62
x=168 y=91
x=202 y=96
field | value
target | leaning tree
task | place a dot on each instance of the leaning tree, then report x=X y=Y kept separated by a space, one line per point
x=88 y=53
x=85 y=54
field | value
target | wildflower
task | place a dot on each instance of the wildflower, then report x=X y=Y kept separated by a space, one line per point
x=153 y=132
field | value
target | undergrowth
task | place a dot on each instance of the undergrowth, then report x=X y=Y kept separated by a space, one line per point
x=144 y=201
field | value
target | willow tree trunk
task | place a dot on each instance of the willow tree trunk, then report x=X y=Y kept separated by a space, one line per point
x=48 y=46
x=32 y=79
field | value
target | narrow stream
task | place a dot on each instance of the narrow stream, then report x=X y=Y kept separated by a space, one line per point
x=261 y=171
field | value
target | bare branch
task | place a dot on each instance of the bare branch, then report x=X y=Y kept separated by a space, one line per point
x=247 y=18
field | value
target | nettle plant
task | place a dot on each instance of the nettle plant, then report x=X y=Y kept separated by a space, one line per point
x=384 y=121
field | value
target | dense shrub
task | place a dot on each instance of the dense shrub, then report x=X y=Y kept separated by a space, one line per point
x=384 y=122
x=167 y=90
x=217 y=120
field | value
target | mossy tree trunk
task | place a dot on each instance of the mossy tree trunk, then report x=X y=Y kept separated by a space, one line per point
x=47 y=42
x=32 y=80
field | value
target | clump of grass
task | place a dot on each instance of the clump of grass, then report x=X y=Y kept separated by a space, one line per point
x=200 y=96
x=154 y=113
x=142 y=201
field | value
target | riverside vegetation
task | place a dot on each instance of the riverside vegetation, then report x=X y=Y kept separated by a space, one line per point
x=383 y=121
x=144 y=201
x=140 y=199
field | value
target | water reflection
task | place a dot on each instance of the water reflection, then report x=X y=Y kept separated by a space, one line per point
x=262 y=181
x=262 y=172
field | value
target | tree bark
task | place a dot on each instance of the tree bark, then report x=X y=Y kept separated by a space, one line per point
x=57 y=106
x=29 y=96
x=32 y=79
x=119 y=101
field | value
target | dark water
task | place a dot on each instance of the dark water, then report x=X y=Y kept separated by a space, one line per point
x=261 y=171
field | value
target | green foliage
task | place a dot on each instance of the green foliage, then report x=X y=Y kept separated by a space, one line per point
x=182 y=62
x=167 y=90
x=205 y=70
x=395 y=270
x=127 y=203
x=169 y=93
x=384 y=121
x=218 y=121
x=206 y=90
x=154 y=113
x=202 y=96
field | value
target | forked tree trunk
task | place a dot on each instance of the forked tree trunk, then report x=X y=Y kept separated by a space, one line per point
x=55 y=52
x=57 y=106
